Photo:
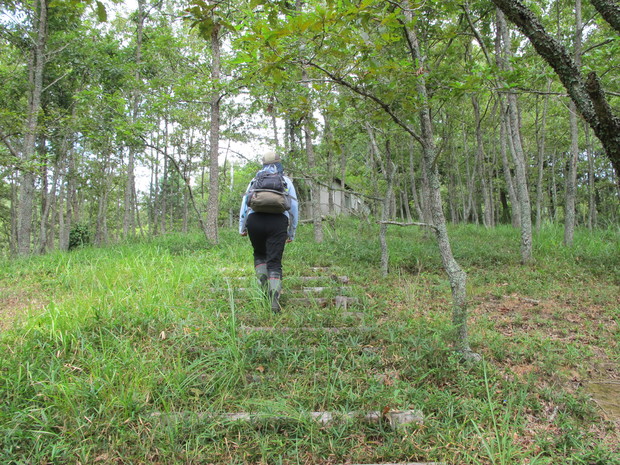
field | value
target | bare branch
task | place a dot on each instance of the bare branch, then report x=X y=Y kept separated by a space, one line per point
x=5 y=139
x=423 y=225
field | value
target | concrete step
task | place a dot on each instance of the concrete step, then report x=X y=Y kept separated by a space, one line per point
x=339 y=301
x=288 y=329
x=395 y=419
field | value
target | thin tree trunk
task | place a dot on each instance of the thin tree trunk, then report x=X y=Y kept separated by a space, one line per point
x=13 y=236
x=514 y=131
x=314 y=186
x=472 y=212
x=404 y=198
x=592 y=216
x=515 y=212
x=49 y=199
x=480 y=156
x=166 y=178
x=129 y=216
x=25 y=208
x=541 y=158
x=330 y=164
x=571 y=181
x=61 y=217
x=101 y=233
x=274 y=123
x=414 y=189
x=554 y=187
x=456 y=275
x=387 y=169
x=70 y=200
x=213 y=205
x=343 y=174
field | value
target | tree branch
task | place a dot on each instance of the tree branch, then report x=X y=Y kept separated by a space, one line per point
x=396 y=223
x=605 y=126
x=185 y=179
x=5 y=139
x=384 y=106
x=610 y=11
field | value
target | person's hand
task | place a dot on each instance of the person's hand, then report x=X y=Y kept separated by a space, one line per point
x=244 y=233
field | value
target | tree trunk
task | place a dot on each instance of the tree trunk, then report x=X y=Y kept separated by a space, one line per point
x=515 y=211
x=213 y=205
x=480 y=156
x=101 y=232
x=456 y=275
x=49 y=199
x=166 y=180
x=414 y=189
x=554 y=187
x=571 y=180
x=514 y=131
x=314 y=186
x=130 y=211
x=274 y=123
x=471 y=213
x=343 y=174
x=387 y=169
x=13 y=236
x=404 y=198
x=329 y=145
x=542 y=133
x=592 y=220
x=25 y=208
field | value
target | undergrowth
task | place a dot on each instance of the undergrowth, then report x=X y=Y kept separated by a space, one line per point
x=132 y=353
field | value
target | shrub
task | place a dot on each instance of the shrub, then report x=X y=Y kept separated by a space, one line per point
x=79 y=236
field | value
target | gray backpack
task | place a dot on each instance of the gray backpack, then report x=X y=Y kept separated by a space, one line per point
x=268 y=193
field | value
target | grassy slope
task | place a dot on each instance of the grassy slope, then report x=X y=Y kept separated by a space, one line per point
x=117 y=335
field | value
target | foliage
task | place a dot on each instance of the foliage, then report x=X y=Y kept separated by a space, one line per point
x=80 y=236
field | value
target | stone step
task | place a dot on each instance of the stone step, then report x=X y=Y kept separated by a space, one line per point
x=403 y=463
x=341 y=279
x=304 y=279
x=357 y=316
x=395 y=419
x=339 y=301
x=305 y=290
x=325 y=329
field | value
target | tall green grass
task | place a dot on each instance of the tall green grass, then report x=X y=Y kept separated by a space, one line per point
x=131 y=352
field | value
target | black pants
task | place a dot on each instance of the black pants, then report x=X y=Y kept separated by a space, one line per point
x=268 y=233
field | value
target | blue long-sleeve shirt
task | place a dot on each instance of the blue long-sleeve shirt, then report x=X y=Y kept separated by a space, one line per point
x=292 y=214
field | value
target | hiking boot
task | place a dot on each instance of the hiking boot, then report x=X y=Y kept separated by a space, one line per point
x=275 y=289
x=261 y=275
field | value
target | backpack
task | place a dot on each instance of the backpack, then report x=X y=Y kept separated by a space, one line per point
x=268 y=193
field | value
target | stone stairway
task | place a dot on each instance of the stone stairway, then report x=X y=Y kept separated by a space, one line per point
x=319 y=305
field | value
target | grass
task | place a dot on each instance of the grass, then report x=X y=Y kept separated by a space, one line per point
x=128 y=354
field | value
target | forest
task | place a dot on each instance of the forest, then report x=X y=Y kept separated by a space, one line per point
x=121 y=120
x=451 y=296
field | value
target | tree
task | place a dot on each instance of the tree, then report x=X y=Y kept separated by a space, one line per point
x=587 y=93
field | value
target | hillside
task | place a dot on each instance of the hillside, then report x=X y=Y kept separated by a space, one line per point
x=164 y=352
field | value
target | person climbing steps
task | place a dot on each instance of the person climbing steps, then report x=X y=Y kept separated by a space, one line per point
x=270 y=223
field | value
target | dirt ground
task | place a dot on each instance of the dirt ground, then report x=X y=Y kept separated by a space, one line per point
x=565 y=319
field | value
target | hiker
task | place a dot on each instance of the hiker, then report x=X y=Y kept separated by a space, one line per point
x=269 y=228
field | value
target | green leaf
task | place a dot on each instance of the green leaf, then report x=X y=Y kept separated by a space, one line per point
x=102 y=14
